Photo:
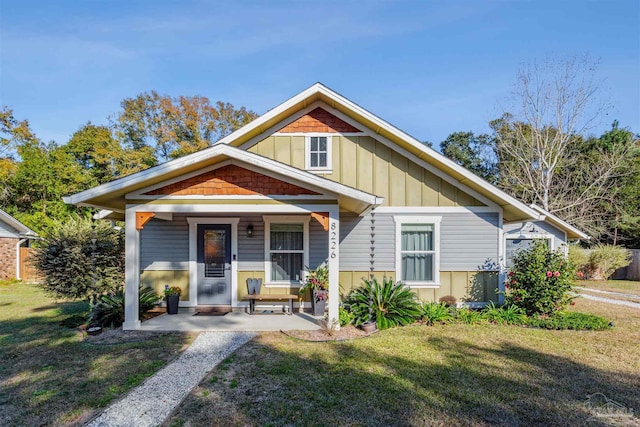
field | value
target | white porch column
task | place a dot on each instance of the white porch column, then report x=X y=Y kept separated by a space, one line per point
x=131 y=272
x=502 y=259
x=334 y=266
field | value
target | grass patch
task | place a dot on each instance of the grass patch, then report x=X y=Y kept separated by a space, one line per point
x=50 y=376
x=622 y=286
x=452 y=374
x=571 y=320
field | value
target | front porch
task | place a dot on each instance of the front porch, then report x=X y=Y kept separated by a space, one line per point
x=237 y=320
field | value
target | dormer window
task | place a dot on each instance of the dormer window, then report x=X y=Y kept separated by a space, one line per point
x=318 y=153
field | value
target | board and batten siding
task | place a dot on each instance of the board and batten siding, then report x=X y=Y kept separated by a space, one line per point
x=467 y=241
x=366 y=164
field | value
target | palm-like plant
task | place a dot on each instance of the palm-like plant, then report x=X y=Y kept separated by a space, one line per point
x=433 y=313
x=388 y=303
x=109 y=310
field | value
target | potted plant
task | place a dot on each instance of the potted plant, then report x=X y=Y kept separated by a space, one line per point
x=172 y=296
x=318 y=283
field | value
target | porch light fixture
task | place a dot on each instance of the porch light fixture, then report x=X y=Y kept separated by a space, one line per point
x=250 y=230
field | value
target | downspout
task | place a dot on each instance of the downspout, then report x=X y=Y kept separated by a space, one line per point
x=18 y=257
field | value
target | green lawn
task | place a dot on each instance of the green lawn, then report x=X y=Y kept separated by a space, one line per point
x=622 y=286
x=49 y=375
x=419 y=375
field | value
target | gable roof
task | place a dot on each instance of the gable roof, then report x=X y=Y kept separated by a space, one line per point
x=513 y=209
x=111 y=195
x=572 y=232
x=21 y=230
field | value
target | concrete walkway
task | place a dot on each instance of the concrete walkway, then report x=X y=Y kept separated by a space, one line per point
x=234 y=321
x=151 y=403
x=610 y=293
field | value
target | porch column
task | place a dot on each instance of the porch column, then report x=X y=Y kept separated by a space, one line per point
x=131 y=272
x=334 y=266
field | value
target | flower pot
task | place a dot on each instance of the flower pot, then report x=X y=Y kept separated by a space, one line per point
x=172 y=304
x=318 y=302
x=369 y=327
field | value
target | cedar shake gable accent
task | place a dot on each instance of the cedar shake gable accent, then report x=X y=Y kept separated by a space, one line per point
x=231 y=180
x=318 y=120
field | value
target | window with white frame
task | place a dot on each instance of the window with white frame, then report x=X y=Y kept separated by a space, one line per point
x=286 y=249
x=516 y=244
x=318 y=152
x=418 y=250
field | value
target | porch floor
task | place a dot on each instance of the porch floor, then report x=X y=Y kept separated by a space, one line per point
x=234 y=321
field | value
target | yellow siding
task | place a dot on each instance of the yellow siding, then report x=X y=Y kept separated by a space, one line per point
x=368 y=165
x=157 y=279
x=465 y=286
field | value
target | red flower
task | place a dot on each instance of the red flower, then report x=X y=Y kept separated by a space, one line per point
x=517 y=298
x=506 y=286
x=549 y=274
x=556 y=273
x=580 y=274
x=573 y=303
x=511 y=274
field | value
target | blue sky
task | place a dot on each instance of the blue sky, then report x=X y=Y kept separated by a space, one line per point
x=428 y=67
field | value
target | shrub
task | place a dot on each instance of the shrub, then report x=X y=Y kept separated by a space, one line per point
x=72 y=266
x=468 y=316
x=389 y=304
x=540 y=280
x=344 y=316
x=505 y=315
x=571 y=320
x=433 y=313
x=579 y=258
x=449 y=300
x=604 y=260
x=109 y=310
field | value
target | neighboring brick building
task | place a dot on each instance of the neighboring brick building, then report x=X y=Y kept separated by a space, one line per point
x=13 y=236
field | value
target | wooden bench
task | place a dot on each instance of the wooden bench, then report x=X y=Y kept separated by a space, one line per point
x=265 y=297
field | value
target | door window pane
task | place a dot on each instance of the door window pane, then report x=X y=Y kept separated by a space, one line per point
x=214 y=253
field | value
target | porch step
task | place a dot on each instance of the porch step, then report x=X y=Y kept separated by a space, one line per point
x=214 y=309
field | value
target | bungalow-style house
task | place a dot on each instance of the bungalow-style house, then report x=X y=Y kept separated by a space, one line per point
x=14 y=240
x=317 y=179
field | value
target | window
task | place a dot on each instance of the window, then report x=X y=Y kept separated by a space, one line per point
x=417 y=250
x=514 y=246
x=286 y=249
x=318 y=153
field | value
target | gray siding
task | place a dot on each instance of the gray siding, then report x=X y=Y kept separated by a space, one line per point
x=558 y=235
x=7 y=231
x=467 y=240
x=355 y=242
x=164 y=245
x=318 y=244
x=251 y=249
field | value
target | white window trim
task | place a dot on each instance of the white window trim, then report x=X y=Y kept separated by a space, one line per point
x=435 y=220
x=284 y=219
x=517 y=235
x=307 y=153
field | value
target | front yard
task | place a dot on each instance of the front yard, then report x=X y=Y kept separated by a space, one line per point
x=51 y=375
x=621 y=286
x=419 y=375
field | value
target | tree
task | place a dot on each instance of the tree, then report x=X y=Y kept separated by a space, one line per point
x=543 y=157
x=97 y=151
x=476 y=153
x=174 y=127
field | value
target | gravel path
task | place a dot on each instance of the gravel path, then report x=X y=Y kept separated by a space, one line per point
x=151 y=403
x=598 y=291
x=611 y=301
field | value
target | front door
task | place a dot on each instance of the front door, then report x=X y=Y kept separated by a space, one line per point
x=214 y=264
